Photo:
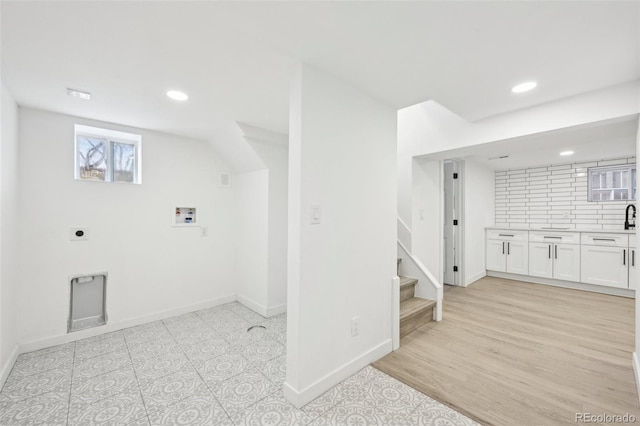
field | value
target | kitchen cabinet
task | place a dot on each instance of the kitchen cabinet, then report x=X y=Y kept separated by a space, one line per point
x=554 y=255
x=605 y=260
x=508 y=251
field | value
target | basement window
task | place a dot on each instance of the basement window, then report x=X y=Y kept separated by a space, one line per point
x=104 y=155
x=612 y=183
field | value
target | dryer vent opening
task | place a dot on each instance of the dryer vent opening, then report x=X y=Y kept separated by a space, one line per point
x=88 y=302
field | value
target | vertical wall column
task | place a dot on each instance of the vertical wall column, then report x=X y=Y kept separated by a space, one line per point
x=341 y=260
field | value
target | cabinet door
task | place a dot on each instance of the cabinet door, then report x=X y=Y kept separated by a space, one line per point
x=566 y=262
x=604 y=266
x=632 y=268
x=541 y=260
x=496 y=259
x=518 y=257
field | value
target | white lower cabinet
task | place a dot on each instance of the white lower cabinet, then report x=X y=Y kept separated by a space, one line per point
x=517 y=257
x=605 y=265
x=496 y=259
x=558 y=261
x=508 y=251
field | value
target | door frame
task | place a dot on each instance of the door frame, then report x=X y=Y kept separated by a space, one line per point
x=458 y=185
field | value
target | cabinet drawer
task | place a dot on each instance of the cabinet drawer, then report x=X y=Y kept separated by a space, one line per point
x=554 y=237
x=611 y=240
x=507 y=235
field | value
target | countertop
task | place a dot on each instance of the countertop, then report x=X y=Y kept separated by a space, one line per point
x=558 y=229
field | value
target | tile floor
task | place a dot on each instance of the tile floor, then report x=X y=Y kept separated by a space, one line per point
x=201 y=368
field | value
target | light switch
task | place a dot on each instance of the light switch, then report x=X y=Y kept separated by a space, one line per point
x=315 y=214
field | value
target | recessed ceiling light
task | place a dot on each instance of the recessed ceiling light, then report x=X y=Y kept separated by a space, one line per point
x=524 y=87
x=566 y=153
x=79 y=94
x=176 y=95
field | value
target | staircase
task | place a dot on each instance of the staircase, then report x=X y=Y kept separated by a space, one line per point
x=414 y=311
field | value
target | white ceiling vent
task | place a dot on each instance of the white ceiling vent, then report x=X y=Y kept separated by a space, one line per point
x=225 y=180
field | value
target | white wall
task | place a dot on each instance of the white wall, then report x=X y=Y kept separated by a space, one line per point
x=153 y=267
x=342 y=155
x=427 y=201
x=9 y=218
x=479 y=194
x=251 y=245
x=276 y=158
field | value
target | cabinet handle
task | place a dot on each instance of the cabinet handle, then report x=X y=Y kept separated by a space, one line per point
x=604 y=239
x=624 y=257
x=556 y=250
x=558 y=238
x=503 y=247
x=633 y=258
x=506 y=235
x=549 y=251
x=508 y=248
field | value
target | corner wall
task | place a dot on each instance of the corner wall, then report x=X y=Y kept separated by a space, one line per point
x=154 y=269
x=10 y=216
x=342 y=156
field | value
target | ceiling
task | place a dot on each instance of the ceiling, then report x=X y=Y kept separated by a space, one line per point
x=610 y=139
x=234 y=58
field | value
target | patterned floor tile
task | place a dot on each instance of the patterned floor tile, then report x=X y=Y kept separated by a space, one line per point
x=194 y=335
x=432 y=413
x=217 y=315
x=85 y=351
x=117 y=410
x=59 y=360
x=243 y=336
x=275 y=369
x=144 y=334
x=241 y=391
x=263 y=351
x=161 y=365
x=228 y=324
x=144 y=350
x=174 y=387
x=207 y=349
x=191 y=411
x=349 y=415
x=252 y=317
x=89 y=390
x=67 y=347
x=183 y=322
x=18 y=388
x=324 y=402
x=47 y=409
x=115 y=335
x=102 y=364
x=221 y=368
x=273 y=410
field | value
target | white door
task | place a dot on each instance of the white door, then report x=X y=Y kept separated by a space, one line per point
x=518 y=257
x=566 y=262
x=540 y=260
x=496 y=255
x=604 y=266
x=632 y=268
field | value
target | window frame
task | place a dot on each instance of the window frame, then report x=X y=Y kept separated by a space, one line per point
x=110 y=137
x=631 y=188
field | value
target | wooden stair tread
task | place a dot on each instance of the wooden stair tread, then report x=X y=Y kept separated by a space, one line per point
x=414 y=305
x=405 y=281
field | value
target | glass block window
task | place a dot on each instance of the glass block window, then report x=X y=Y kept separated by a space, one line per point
x=612 y=183
x=107 y=156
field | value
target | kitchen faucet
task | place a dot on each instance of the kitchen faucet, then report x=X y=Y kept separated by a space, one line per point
x=628 y=225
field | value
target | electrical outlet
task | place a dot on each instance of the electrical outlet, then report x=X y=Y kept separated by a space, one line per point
x=204 y=231
x=355 y=326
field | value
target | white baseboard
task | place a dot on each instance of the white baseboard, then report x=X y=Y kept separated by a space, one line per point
x=265 y=311
x=614 y=291
x=311 y=392
x=473 y=278
x=8 y=365
x=107 y=328
x=636 y=372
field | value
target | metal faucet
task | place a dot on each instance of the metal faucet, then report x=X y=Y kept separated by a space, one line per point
x=628 y=225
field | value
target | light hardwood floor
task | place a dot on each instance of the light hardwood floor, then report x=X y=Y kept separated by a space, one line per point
x=515 y=353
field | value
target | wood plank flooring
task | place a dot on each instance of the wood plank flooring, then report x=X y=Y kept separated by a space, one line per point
x=515 y=353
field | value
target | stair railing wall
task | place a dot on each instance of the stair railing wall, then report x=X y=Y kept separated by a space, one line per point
x=428 y=286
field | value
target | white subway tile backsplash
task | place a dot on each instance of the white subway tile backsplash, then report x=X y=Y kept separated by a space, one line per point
x=555 y=194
